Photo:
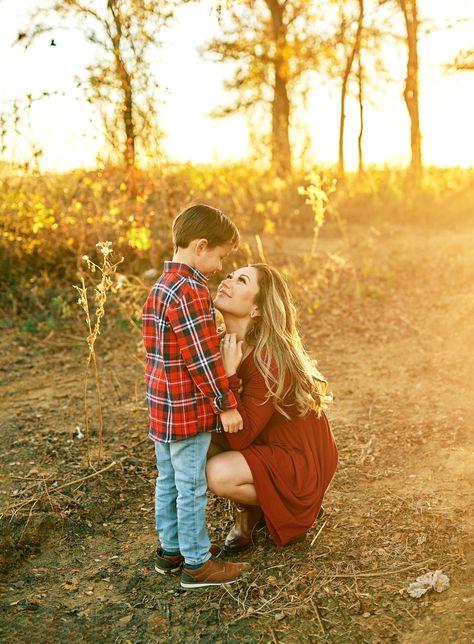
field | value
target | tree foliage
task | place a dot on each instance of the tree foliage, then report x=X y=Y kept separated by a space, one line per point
x=464 y=61
x=273 y=45
x=119 y=81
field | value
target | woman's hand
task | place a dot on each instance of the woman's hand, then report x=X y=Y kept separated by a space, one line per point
x=231 y=351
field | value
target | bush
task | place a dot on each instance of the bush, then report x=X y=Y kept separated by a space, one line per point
x=48 y=222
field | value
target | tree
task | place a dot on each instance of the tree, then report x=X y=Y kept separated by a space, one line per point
x=273 y=45
x=119 y=82
x=411 y=92
x=356 y=62
x=371 y=73
x=360 y=102
x=351 y=51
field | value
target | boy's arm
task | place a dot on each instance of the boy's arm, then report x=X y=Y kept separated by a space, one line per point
x=193 y=324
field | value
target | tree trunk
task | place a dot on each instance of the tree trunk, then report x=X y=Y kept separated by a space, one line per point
x=411 y=96
x=281 y=151
x=360 y=98
x=127 y=90
x=129 y=125
x=342 y=121
x=345 y=80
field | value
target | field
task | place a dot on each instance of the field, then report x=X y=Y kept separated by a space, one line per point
x=392 y=328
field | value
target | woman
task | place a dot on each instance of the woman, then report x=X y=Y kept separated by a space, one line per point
x=283 y=460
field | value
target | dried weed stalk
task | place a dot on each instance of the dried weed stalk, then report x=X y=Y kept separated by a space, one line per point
x=106 y=270
x=317 y=197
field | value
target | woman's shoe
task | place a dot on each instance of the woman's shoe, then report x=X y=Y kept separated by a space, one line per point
x=241 y=535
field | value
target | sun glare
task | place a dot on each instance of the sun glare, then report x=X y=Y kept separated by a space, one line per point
x=67 y=130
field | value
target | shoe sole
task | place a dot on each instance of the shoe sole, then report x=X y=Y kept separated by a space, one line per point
x=206 y=584
x=165 y=571
x=228 y=550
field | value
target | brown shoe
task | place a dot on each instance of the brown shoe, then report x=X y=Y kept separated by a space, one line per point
x=241 y=535
x=213 y=572
x=166 y=563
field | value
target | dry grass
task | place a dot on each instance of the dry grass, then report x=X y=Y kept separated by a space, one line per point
x=107 y=269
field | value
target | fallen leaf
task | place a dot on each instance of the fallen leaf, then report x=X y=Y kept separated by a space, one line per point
x=156 y=620
x=126 y=619
x=69 y=587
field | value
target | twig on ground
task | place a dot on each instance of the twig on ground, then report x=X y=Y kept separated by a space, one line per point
x=14 y=508
x=85 y=478
x=236 y=599
x=27 y=521
x=318 y=533
x=28 y=478
x=47 y=494
x=410 y=324
x=17 y=506
x=380 y=573
x=267 y=602
x=316 y=610
x=275 y=639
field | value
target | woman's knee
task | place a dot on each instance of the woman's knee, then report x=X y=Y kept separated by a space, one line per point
x=217 y=478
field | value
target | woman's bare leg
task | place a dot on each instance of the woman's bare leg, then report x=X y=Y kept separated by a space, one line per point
x=229 y=475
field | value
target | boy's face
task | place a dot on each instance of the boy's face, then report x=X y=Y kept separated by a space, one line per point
x=209 y=260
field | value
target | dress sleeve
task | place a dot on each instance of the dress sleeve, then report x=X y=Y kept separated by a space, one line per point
x=193 y=324
x=254 y=407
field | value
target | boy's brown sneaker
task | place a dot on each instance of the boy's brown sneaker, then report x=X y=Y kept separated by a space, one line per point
x=213 y=572
x=166 y=563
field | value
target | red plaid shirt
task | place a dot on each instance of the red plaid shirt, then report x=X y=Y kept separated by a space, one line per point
x=186 y=383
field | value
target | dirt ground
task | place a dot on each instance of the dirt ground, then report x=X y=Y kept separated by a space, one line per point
x=77 y=557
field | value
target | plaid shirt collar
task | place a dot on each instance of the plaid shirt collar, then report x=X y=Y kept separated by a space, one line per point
x=186 y=271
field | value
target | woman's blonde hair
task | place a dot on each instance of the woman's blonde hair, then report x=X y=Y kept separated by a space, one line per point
x=290 y=374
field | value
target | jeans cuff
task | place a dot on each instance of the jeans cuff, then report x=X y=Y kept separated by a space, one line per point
x=194 y=563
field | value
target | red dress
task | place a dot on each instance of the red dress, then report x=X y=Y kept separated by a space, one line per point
x=292 y=461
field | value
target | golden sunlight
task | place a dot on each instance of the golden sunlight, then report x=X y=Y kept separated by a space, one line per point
x=67 y=129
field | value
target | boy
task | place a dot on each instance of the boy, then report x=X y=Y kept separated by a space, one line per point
x=188 y=394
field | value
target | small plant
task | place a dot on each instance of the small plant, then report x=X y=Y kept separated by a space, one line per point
x=317 y=197
x=107 y=269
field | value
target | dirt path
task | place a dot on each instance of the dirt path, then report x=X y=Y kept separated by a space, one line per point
x=417 y=364
x=400 y=363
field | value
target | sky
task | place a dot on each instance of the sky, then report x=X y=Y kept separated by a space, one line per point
x=68 y=130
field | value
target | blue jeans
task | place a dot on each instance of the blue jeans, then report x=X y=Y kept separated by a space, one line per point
x=181 y=499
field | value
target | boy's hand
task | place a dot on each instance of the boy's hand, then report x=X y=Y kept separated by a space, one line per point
x=231 y=351
x=231 y=421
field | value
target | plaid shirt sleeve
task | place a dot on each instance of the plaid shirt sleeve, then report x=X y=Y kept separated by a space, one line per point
x=192 y=321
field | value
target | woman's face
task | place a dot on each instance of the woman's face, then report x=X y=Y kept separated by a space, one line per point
x=237 y=294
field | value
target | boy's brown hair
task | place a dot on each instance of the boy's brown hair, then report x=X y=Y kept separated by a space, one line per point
x=201 y=221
